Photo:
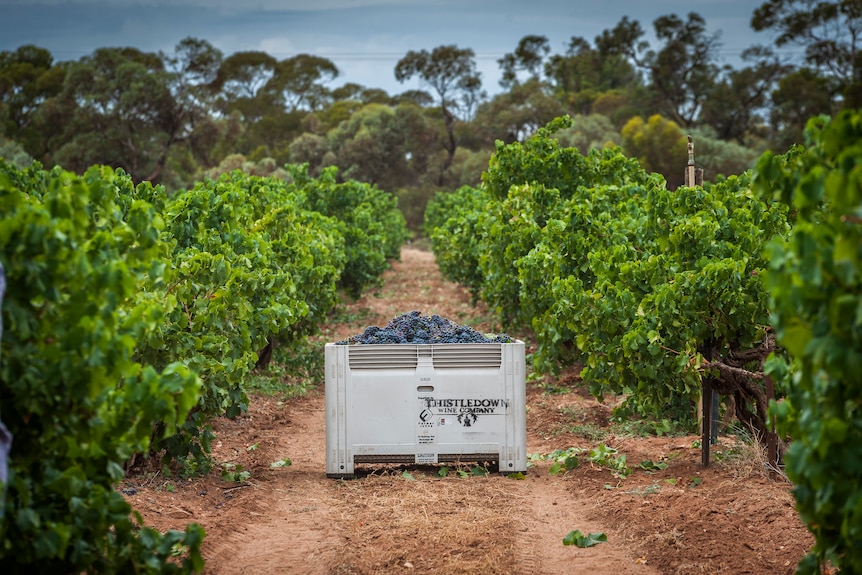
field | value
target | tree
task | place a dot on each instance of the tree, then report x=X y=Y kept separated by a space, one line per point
x=451 y=73
x=584 y=73
x=28 y=77
x=13 y=153
x=151 y=114
x=588 y=132
x=116 y=108
x=370 y=147
x=683 y=71
x=312 y=149
x=419 y=97
x=830 y=31
x=386 y=146
x=528 y=57
x=737 y=100
x=800 y=95
x=515 y=115
x=297 y=82
x=193 y=67
x=196 y=63
x=240 y=80
x=659 y=145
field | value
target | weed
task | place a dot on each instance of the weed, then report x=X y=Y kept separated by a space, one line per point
x=294 y=372
x=651 y=466
x=610 y=458
x=646 y=427
x=578 y=539
x=563 y=459
x=234 y=473
x=188 y=466
x=464 y=472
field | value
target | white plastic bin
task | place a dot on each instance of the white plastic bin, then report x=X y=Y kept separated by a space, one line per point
x=425 y=403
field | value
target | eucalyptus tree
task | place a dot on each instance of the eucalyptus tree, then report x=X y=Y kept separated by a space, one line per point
x=240 y=80
x=683 y=70
x=829 y=31
x=298 y=83
x=28 y=77
x=370 y=147
x=529 y=56
x=740 y=99
x=148 y=113
x=450 y=72
x=589 y=132
x=585 y=72
x=659 y=144
x=116 y=108
x=194 y=67
x=799 y=96
x=515 y=115
x=392 y=147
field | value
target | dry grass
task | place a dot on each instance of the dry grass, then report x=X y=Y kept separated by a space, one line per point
x=458 y=515
x=746 y=458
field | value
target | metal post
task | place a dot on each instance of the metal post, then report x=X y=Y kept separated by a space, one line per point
x=706 y=398
x=713 y=429
x=771 y=436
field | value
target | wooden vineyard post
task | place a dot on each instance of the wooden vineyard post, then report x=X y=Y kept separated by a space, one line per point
x=693 y=176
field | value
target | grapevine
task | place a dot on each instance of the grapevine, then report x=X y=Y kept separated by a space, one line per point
x=815 y=285
x=653 y=291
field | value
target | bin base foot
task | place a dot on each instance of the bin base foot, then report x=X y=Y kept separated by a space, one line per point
x=340 y=475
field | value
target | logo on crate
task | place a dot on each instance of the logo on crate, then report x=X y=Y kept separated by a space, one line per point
x=467 y=419
x=466 y=411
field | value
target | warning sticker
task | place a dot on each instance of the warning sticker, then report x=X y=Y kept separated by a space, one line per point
x=426 y=458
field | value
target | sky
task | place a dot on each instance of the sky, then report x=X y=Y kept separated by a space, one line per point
x=363 y=38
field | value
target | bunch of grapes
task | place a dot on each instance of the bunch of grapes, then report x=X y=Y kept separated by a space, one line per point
x=414 y=327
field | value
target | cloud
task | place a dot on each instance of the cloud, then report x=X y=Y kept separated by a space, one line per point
x=226 y=5
x=364 y=38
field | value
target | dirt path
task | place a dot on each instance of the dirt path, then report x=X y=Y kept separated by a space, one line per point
x=305 y=523
x=294 y=520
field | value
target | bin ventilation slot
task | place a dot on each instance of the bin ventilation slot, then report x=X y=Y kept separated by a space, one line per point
x=405 y=356
x=383 y=357
x=383 y=458
x=481 y=355
x=411 y=458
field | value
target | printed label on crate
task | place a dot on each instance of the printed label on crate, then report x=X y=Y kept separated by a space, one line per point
x=465 y=412
x=426 y=458
x=426 y=422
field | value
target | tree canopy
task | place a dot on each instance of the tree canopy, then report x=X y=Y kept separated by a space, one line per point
x=173 y=117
